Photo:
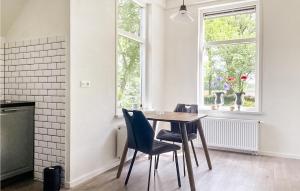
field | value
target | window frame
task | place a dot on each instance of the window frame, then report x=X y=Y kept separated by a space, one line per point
x=202 y=45
x=141 y=39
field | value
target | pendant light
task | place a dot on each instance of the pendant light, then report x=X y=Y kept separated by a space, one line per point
x=182 y=16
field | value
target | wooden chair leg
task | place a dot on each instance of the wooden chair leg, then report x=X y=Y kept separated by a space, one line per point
x=149 y=177
x=130 y=168
x=195 y=156
x=177 y=169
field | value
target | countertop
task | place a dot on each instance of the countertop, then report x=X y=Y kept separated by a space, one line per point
x=6 y=103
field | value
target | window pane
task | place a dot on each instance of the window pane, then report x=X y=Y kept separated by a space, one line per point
x=230 y=27
x=230 y=69
x=130 y=17
x=128 y=73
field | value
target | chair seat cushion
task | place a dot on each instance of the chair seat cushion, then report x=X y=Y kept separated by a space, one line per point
x=162 y=147
x=167 y=135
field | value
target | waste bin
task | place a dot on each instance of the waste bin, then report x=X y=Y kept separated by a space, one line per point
x=52 y=178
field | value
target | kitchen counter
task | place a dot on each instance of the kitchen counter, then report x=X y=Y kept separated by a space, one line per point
x=6 y=103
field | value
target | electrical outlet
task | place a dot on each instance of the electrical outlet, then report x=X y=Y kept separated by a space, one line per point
x=85 y=84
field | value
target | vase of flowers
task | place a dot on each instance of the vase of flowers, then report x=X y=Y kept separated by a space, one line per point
x=238 y=85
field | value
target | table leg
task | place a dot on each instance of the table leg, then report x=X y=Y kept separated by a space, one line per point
x=188 y=157
x=154 y=126
x=200 y=129
x=122 y=160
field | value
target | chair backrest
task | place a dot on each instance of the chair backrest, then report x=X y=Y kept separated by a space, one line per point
x=130 y=132
x=191 y=127
x=139 y=131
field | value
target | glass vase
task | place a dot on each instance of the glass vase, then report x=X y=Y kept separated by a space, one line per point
x=219 y=98
x=239 y=99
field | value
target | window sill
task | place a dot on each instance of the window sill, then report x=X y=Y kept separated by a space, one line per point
x=227 y=112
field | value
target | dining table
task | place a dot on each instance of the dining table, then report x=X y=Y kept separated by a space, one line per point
x=182 y=118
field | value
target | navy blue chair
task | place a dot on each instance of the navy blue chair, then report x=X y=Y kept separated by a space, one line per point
x=174 y=135
x=140 y=136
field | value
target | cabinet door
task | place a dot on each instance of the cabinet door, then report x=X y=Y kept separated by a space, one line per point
x=17 y=140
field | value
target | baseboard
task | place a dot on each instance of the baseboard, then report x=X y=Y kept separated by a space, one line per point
x=90 y=175
x=280 y=155
x=261 y=153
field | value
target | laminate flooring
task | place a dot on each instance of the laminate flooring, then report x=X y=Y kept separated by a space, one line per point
x=231 y=172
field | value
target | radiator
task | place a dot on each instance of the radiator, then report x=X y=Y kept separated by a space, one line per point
x=121 y=140
x=231 y=134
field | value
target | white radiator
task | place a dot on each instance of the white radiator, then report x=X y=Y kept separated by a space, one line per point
x=231 y=134
x=121 y=140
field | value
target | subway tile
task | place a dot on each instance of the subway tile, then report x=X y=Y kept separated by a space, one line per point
x=51 y=145
x=55 y=125
x=51 y=158
x=47 y=46
x=47 y=60
x=52 y=79
x=44 y=53
x=52 y=105
x=56 y=139
x=56 y=45
x=23 y=49
x=52 y=66
x=46 y=164
x=43 y=130
x=47 y=138
x=38 y=85
x=56 y=152
x=60 y=133
x=39 y=47
x=51 y=52
x=30 y=48
x=47 y=125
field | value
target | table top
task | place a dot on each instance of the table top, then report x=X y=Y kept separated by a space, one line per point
x=173 y=116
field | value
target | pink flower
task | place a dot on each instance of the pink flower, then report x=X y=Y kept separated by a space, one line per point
x=244 y=77
x=231 y=79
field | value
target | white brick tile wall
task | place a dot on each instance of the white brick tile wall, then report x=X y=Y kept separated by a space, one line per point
x=34 y=70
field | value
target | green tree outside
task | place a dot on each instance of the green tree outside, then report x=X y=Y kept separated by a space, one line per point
x=128 y=66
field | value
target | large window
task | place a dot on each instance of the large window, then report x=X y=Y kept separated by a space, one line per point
x=130 y=54
x=229 y=59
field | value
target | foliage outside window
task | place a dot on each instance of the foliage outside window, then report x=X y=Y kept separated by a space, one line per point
x=229 y=58
x=130 y=51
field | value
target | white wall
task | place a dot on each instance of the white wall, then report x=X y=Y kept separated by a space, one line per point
x=10 y=10
x=92 y=122
x=156 y=56
x=280 y=68
x=27 y=19
x=92 y=109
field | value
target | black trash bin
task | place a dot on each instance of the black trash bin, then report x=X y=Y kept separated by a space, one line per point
x=52 y=178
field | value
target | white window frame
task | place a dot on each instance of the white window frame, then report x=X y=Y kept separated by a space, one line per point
x=202 y=45
x=142 y=40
